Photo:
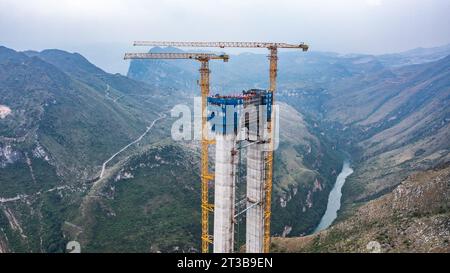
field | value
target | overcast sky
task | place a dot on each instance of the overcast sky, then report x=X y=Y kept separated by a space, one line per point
x=102 y=30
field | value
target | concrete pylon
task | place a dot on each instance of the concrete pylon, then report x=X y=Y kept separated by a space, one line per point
x=255 y=197
x=224 y=195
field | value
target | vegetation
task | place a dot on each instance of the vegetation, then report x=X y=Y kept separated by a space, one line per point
x=153 y=205
x=412 y=218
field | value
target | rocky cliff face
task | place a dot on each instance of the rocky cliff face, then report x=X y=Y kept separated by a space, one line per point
x=414 y=217
x=402 y=126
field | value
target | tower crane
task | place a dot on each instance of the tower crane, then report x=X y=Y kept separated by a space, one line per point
x=273 y=59
x=206 y=176
x=272 y=47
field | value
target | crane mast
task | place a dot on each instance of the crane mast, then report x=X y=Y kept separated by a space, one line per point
x=206 y=175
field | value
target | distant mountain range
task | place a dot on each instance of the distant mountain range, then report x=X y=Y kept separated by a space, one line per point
x=296 y=69
x=63 y=120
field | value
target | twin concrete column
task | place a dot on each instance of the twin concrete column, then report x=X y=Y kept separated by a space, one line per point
x=224 y=195
x=255 y=197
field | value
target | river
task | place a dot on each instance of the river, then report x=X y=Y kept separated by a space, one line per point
x=334 y=199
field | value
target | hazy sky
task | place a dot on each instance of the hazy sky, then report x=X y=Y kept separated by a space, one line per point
x=102 y=30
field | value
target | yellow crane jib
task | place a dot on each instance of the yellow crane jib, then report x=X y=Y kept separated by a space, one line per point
x=196 y=56
x=302 y=46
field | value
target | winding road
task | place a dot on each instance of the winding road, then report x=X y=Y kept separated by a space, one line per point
x=25 y=196
x=161 y=116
